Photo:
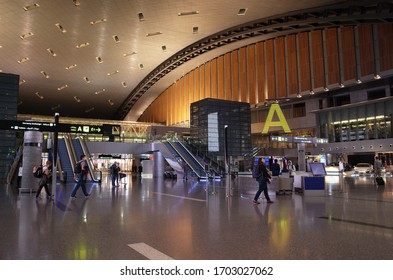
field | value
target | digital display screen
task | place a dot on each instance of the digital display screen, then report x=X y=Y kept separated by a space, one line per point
x=317 y=169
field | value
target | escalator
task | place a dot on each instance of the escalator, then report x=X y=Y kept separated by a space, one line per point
x=190 y=159
x=65 y=161
x=81 y=149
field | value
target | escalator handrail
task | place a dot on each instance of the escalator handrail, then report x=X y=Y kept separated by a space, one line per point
x=87 y=153
x=198 y=172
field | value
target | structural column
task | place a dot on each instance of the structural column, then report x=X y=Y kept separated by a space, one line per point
x=32 y=150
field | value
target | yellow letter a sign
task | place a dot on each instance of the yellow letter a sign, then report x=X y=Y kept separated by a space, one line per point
x=269 y=120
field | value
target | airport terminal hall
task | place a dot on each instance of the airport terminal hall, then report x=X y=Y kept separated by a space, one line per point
x=196 y=130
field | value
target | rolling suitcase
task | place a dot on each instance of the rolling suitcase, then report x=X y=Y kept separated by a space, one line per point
x=380 y=181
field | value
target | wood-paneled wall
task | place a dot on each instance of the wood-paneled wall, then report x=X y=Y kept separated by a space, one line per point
x=279 y=68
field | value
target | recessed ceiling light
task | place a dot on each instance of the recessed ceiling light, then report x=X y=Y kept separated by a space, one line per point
x=163 y=48
x=116 y=38
x=76 y=2
x=31 y=7
x=82 y=45
x=242 y=11
x=188 y=13
x=51 y=52
x=71 y=66
x=21 y=82
x=98 y=21
x=141 y=66
x=45 y=74
x=113 y=73
x=24 y=59
x=129 y=54
x=100 y=91
x=141 y=17
x=153 y=34
x=87 y=80
x=39 y=95
x=27 y=35
x=77 y=99
x=61 y=28
x=124 y=84
x=89 y=110
x=195 y=29
x=111 y=102
x=62 y=87
x=99 y=59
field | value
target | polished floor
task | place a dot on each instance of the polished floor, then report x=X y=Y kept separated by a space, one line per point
x=187 y=220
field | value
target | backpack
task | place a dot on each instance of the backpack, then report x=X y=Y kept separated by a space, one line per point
x=255 y=171
x=38 y=172
x=78 y=167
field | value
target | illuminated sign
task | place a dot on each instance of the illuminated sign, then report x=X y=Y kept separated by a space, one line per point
x=275 y=108
x=60 y=127
x=298 y=139
x=27 y=125
x=281 y=138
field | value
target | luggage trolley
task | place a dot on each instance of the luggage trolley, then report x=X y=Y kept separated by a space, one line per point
x=122 y=176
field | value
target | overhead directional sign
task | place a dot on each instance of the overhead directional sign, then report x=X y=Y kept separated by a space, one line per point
x=298 y=139
x=27 y=125
x=79 y=128
x=61 y=127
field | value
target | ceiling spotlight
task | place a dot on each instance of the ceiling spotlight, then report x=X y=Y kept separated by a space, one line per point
x=45 y=74
x=99 y=59
x=62 y=87
x=377 y=77
x=71 y=66
x=141 y=17
x=51 y=52
x=153 y=34
x=341 y=85
x=358 y=81
x=39 y=95
x=129 y=54
x=116 y=39
x=77 y=99
x=76 y=3
x=22 y=82
x=27 y=35
x=195 y=29
x=299 y=95
x=87 y=80
x=141 y=66
x=102 y=20
x=89 y=110
x=24 y=59
x=110 y=101
x=113 y=73
x=242 y=12
x=61 y=28
x=31 y=7
x=124 y=84
x=188 y=13
x=82 y=45
x=312 y=92
x=163 y=48
x=100 y=91
x=55 y=107
x=325 y=89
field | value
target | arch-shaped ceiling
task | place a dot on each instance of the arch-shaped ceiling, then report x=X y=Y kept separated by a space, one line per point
x=111 y=59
